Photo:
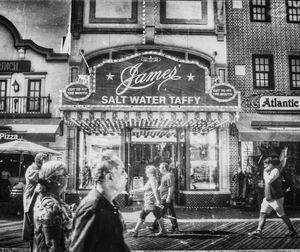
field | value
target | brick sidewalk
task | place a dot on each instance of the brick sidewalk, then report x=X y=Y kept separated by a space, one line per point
x=200 y=230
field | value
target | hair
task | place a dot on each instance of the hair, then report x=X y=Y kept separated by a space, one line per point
x=107 y=162
x=165 y=165
x=151 y=169
x=268 y=160
x=40 y=156
x=49 y=174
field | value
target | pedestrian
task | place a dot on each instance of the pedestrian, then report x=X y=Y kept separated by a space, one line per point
x=29 y=196
x=151 y=202
x=166 y=190
x=274 y=198
x=98 y=224
x=52 y=217
x=31 y=178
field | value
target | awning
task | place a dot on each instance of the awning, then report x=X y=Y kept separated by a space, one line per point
x=34 y=130
x=154 y=123
x=268 y=127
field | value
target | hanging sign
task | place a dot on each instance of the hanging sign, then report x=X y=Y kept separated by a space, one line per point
x=223 y=92
x=80 y=90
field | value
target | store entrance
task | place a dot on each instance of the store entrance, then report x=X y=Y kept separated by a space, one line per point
x=151 y=147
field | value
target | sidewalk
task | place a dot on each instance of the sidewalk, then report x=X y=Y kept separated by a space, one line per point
x=206 y=229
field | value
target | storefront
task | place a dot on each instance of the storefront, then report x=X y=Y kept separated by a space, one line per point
x=152 y=107
x=275 y=130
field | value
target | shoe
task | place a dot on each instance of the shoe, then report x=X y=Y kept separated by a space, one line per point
x=152 y=229
x=173 y=230
x=291 y=234
x=256 y=234
x=161 y=233
x=133 y=233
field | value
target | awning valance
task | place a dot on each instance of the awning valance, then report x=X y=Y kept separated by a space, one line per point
x=35 y=130
x=113 y=122
x=271 y=127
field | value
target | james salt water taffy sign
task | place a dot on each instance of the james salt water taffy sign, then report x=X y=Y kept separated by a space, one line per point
x=155 y=79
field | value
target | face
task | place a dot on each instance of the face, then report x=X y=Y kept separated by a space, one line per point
x=161 y=169
x=62 y=179
x=119 y=178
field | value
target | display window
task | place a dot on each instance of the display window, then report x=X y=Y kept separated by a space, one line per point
x=204 y=169
x=90 y=149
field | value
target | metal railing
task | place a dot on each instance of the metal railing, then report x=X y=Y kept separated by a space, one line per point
x=25 y=106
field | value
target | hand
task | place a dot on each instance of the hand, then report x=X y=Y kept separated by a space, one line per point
x=168 y=200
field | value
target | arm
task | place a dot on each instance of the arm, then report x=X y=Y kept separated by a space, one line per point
x=53 y=238
x=170 y=189
x=82 y=229
x=154 y=187
x=269 y=177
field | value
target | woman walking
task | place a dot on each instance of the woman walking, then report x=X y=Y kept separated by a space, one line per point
x=151 y=202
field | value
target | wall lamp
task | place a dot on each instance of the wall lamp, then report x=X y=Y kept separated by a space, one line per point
x=16 y=86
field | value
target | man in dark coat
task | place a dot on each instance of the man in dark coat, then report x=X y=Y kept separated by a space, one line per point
x=98 y=224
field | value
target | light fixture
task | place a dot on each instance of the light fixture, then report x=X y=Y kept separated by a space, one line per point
x=16 y=86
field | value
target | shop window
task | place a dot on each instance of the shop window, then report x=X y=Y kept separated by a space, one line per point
x=121 y=11
x=263 y=74
x=90 y=149
x=195 y=12
x=293 y=11
x=34 y=96
x=260 y=11
x=3 y=92
x=294 y=66
x=204 y=169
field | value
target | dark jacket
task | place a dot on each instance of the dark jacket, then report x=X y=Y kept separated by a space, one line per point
x=98 y=226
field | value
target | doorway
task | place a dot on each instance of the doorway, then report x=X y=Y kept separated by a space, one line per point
x=151 y=147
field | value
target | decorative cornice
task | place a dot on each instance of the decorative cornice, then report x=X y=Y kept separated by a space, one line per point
x=49 y=54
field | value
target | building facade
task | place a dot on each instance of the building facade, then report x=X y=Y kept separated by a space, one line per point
x=263 y=63
x=33 y=68
x=148 y=79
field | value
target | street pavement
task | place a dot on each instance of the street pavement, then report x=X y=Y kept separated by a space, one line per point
x=205 y=229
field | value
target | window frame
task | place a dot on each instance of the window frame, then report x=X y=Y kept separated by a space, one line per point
x=291 y=57
x=35 y=98
x=287 y=12
x=267 y=12
x=165 y=20
x=270 y=72
x=3 y=98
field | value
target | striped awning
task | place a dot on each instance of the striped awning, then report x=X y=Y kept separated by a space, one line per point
x=153 y=123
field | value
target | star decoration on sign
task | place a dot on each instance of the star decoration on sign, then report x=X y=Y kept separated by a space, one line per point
x=110 y=76
x=190 y=77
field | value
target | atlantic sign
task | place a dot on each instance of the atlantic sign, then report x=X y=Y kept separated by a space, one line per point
x=153 y=79
x=282 y=103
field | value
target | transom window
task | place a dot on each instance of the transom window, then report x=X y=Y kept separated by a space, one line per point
x=263 y=74
x=3 y=90
x=293 y=11
x=294 y=65
x=260 y=10
x=34 y=95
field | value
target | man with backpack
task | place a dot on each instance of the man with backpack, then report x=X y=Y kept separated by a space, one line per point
x=274 y=197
